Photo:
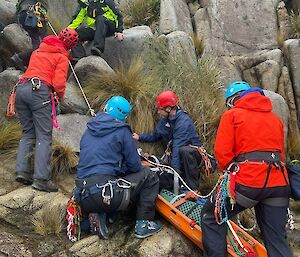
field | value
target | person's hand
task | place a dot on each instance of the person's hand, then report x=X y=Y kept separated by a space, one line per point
x=135 y=136
x=119 y=36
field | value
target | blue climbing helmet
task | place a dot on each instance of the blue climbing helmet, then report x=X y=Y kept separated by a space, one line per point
x=236 y=87
x=118 y=107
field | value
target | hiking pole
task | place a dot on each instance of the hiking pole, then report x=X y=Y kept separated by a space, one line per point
x=92 y=111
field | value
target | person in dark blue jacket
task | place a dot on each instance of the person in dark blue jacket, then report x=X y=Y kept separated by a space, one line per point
x=176 y=127
x=110 y=173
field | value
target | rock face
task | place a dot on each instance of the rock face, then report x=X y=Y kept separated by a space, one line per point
x=237 y=27
x=8 y=79
x=7 y=11
x=174 y=16
x=118 y=53
x=72 y=128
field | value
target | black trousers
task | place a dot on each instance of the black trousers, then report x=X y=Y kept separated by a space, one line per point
x=270 y=219
x=191 y=162
x=104 y=28
x=143 y=193
x=36 y=34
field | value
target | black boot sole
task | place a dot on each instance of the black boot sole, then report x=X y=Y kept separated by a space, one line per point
x=23 y=180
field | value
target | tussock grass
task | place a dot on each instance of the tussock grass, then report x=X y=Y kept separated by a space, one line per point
x=293 y=147
x=280 y=38
x=295 y=21
x=49 y=220
x=196 y=86
x=10 y=134
x=63 y=159
x=140 y=12
x=199 y=44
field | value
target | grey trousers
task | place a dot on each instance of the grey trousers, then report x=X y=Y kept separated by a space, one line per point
x=34 y=111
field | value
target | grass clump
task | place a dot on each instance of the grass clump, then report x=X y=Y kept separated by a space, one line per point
x=199 y=44
x=49 y=220
x=10 y=135
x=63 y=159
x=295 y=21
x=197 y=87
x=140 y=12
x=280 y=38
x=293 y=147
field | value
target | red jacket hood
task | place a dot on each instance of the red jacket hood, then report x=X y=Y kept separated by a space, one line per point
x=254 y=102
x=52 y=44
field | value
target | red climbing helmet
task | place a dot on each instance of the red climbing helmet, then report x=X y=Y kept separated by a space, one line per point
x=166 y=98
x=69 y=37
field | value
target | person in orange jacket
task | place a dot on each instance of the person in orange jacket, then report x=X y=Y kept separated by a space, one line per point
x=46 y=74
x=251 y=137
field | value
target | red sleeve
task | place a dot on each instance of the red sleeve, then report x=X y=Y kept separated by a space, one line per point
x=60 y=77
x=224 y=146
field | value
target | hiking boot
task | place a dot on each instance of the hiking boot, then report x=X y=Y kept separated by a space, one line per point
x=145 y=228
x=96 y=51
x=24 y=178
x=98 y=224
x=18 y=62
x=112 y=217
x=44 y=185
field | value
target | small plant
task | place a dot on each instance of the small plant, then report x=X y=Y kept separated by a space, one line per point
x=10 y=134
x=295 y=21
x=63 y=159
x=280 y=38
x=198 y=43
x=293 y=147
x=140 y=12
x=49 y=220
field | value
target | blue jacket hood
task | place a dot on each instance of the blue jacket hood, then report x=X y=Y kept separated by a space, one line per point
x=104 y=124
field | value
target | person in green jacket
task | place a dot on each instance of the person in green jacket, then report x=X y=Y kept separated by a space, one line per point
x=102 y=19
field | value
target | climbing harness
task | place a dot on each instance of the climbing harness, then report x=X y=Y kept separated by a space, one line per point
x=74 y=217
x=54 y=103
x=92 y=111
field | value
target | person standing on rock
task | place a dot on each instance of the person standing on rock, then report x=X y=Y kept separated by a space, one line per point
x=110 y=174
x=250 y=142
x=46 y=74
x=32 y=16
x=103 y=19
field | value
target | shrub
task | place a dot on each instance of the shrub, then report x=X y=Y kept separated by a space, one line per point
x=49 y=220
x=63 y=159
x=198 y=43
x=140 y=12
x=10 y=134
x=295 y=20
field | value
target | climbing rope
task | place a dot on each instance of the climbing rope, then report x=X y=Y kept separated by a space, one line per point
x=243 y=227
x=178 y=176
x=92 y=111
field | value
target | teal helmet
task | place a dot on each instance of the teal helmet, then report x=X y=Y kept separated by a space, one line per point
x=236 y=87
x=118 y=107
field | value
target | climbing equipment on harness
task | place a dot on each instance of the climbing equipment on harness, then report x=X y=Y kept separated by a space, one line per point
x=206 y=158
x=107 y=188
x=92 y=111
x=54 y=103
x=291 y=220
x=74 y=217
x=11 y=110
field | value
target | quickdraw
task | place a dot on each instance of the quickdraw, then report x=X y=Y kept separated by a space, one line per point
x=73 y=217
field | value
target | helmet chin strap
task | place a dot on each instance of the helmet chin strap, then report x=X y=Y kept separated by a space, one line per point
x=230 y=103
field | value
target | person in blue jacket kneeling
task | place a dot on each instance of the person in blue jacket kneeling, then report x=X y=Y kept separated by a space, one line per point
x=110 y=174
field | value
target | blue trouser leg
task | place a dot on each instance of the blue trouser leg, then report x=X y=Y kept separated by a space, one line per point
x=272 y=221
x=213 y=234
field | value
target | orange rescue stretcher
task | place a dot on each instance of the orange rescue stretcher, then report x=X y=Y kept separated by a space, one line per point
x=189 y=225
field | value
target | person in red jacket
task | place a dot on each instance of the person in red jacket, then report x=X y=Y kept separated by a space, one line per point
x=251 y=137
x=46 y=74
